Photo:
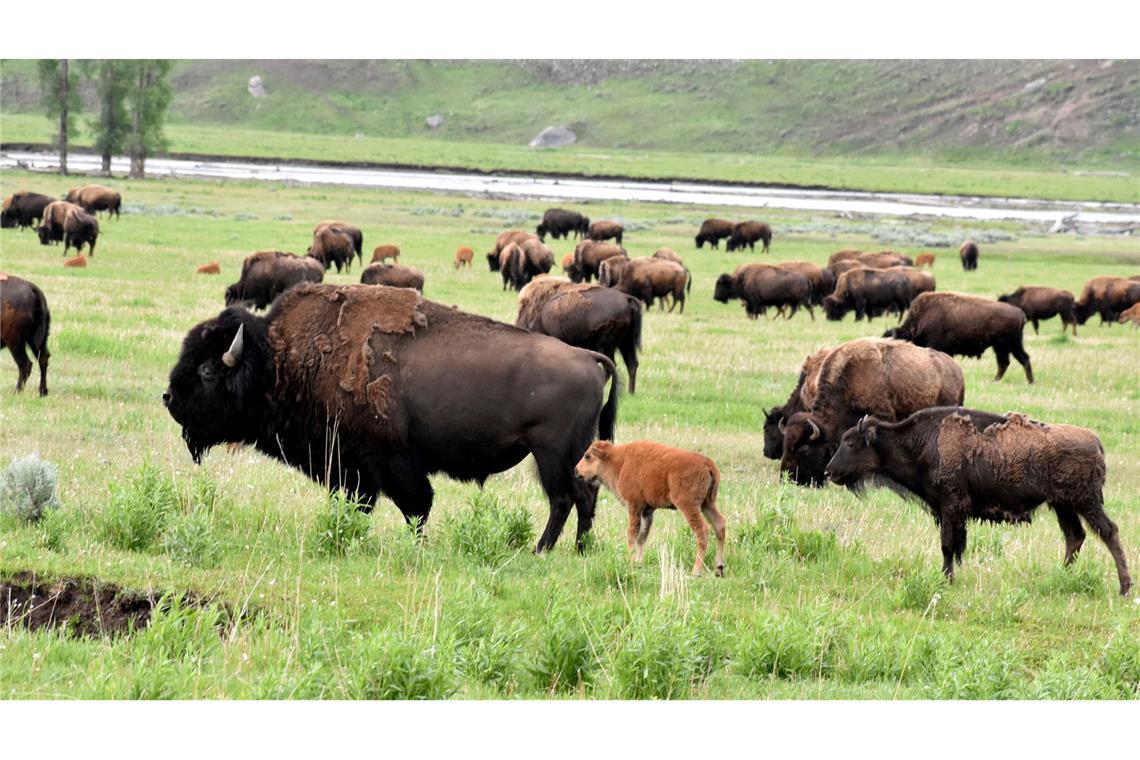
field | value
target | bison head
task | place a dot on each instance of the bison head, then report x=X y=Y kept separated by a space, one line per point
x=807 y=448
x=724 y=288
x=1082 y=311
x=774 y=432
x=8 y=218
x=493 y=261
x=218 y=388
x=855 y=459
x=575 y=273
x=834 y=308
x=44 y=231
x=593 y=462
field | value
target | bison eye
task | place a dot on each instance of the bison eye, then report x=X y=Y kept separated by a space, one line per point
x=206 y=372
x=805 y=449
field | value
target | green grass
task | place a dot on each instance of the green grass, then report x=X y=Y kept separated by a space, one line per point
x=826 y=596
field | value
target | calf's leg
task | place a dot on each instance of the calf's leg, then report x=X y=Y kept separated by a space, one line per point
x=692 y=513
x=646 y=522
x=1104 y=527
x=716 y=519
x=1074 y=532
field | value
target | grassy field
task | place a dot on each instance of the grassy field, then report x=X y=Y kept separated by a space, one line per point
x=826 y=596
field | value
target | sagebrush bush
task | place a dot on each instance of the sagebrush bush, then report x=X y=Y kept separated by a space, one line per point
x=489 y=533
x=341 y=526
x=28 y=489
x=565 y=658
x=139 y=510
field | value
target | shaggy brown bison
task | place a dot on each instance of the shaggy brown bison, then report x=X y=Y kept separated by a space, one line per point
x=51 y=229
x=648 y=476
x=846 y=265
x=332 y=246
x=759 y=286
x=746 y=234
x=353 y=233
x=463 y=257
x=372 y=389
x=23 y=209
x=1043 y=303
x=211 y=268
x=560 y=223
x=609 y=271
x=969 y=255
x=529 y=259
x=506 y=256
x=884 y=260
x=588 y=257
x=839 y=256
x=648 y=278
x=776 y=418
x=924 y=260
x=502 y=241
x=965 y=325
x=712 y=231
x=822 y=280
x=587 y=316
x=25 y=322
x=94 y=198
x=600 y=231
x=869 y=293
x=80 y=228
x=267 y=274
x=887 y=378
x=394 y=275
x=668 y=254
x=1107 y=296
x=965 y=464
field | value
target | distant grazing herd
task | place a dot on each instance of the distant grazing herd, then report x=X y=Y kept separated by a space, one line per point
x=374 y=389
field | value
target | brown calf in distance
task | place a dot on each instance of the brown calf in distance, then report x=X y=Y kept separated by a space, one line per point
x=463 y=257
x=648 y=476
x=78 y=261
x=211 y=268
x=381 y=252
x=1132 y=314
x=924 y=259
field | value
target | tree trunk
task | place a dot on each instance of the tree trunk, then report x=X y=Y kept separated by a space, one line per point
x=138 y=168
x=63 y=116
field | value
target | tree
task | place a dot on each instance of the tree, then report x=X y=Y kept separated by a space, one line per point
x=148 y=98
x=60 y=86
x=112 y=128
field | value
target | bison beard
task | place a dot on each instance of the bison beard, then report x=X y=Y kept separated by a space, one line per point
x=371 y=389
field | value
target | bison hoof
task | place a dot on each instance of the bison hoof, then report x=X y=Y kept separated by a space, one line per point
x=720 y=571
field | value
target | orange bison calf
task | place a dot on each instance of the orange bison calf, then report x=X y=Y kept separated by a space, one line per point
x=1132 y=314
x=78 y=261
x=211 y=268
x=463 y=257
x=381 y=252
x=648 y=476
x=924 y=260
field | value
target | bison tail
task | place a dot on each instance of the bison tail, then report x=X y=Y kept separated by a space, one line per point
x=689 y=283
x=43 y=328
x=608 y=417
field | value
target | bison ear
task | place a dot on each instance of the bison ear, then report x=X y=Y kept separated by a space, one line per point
x=602 y=449
x=232 y=357
x=865 y=431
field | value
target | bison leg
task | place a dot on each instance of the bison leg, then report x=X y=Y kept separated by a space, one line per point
x=716 y=519
x=953 y=538
x=1106 y=529
x=1002 y=362
x=1023 y=359
x=639 y=524
x=629 y=355
x=408 y=486
x=42 y=357
x=23 y=363
x=811 y=312
x=558 y=480
x=1071 y=527
x=1035 y=330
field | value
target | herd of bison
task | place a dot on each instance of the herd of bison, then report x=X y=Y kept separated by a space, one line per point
x=362 y=387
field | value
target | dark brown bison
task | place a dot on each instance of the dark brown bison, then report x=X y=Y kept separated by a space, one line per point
x=372 y=389
x=969 y=255
x=79 y=229
x=1107 y=296
x=530 y=259
x=94 y=198
x=776 y=418
x=332 y=246
x=869 y=293
x=354 y=233
x=846 y=265
x=267 y=274
x=609 y=271
x=560 y=223
x=822 y=280
x=893 y=378
x=588 y=257
x=839 y=256
x=587 y=316
x=964 y=325
x=502 y=241
x=746 y=234
x=506 y=256
x=23 y=209
x=759 y=286
x=965 y=464
x=600 y=231
x=647 y=279
x=25 y=322
x=712 y=231
x=1043 y=303
x=393 y=275
x=51 y=229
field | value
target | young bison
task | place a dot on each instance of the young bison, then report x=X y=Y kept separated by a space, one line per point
x=463 y=257
x=965 y=464
x=1132 y=314
x=79 y=261
x=924 y=260
x=648 y=476
x=382 y=252
x=211 y=268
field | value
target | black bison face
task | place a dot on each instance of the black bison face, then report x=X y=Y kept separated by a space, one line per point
x=774 y=432
x=1083 y=312
x=724 y=289
x=856 y=459
x=493 y=261
x=45 y=234
x=834 y=308
x=575 y=273
x=1007 y=298
x=894 y=332
x=218 y=387
x=807 y=450
x=7 y=218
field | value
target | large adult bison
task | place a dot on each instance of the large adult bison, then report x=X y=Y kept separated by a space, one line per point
x=746 y=234
x=822 y=280
x=668 y=254
x=647 y=279
x=884 y=260
x=965 y=464
x=332 y=245
x=25 y=322
x=529 y=259
x=393 y=275
x=354 y=233
x=51 y=229
x=1107 y=296
x=372 y=389
x=839 y=256
x=968 y=253
x=80 y=228
x=965 y=325
x=267 y=274
x=23 y=209
x=600 y=231
x=560 y=223
x=588 y=316
x=759 y=286
x=845 y=265
x=712 y=231
x=502 y=241
x=887 y=378
x=588 y=258
x=869 y=293
x=94 y=198
x=1042 y=303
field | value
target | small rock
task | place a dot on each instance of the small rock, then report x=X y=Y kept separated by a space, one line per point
x=553 y=137
x=255 y=87
x=434 y=121
x=1036 y=84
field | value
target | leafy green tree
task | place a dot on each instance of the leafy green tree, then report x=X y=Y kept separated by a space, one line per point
x=112 y=127
x=148 y=98
x=60 y=86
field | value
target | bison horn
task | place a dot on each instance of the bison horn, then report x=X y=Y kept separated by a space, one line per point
x=781 y=426
x=862 y=426
x=233 y=356
x=814 y=430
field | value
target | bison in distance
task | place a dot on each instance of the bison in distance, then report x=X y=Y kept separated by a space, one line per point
x=713 y=231
x=393 y=275
x=601 y=231
x=588 y=258
x=23 y=209
x=94 y=198
x=747 y=234
x=25 y=322
x=372 y=389
x=560 y=223
x=1107 y=296
x=648 y=278
x=1044 y=303
x=494 y=257
x=267 y=274
x=969 y=255
x=965 y=464
x=759 y=286
x=354 y=234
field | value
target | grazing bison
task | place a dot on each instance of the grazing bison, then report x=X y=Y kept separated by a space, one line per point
x=969 y=255
x=332 y=246
x=776 y=418
x=25 y=322
x=23 y=209
x=884 y=260
x=353 y=233
x=924 y=260
x=609 y=271
x=965 y=464
x=746 y=234
x=372 y=389
x=80 y=228
x=839 y=256
x=869 y=293
x=267 y=274
x=1131 y=314
x=393 y=275
x=560 y=223
x=382 y=253
x=600 y=231
x=1043 y=303
x=846 y=265
x=79 y=262
x=1107 y=296
x=587 y=316
x=505 y=238
x=887 y=378
x=506 y=256
x=588 y=257
x=712 y=231
x=648 y=278
x=964 y=325
x=94 y=198
x=668 y=254
x=648 y=476
x=759 y=286
x=530 y=259
x=211 y=268
x=463 y=257
x=51 y=229
x=822 y=280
